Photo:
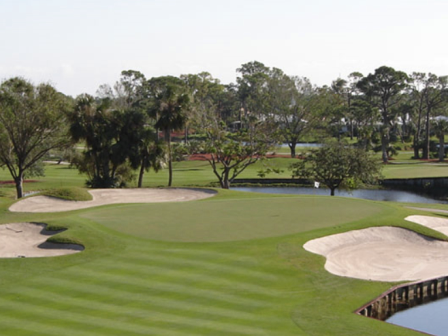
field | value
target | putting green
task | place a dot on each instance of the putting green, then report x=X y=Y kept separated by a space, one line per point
x=232 y=220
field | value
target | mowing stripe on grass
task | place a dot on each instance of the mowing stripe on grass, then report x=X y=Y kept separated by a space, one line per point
x=154 y=297
x=206 y=265
x=177 y=269
x=152 y=274
x=17 y=308
x=166 y=286
x=172 y=305
x=141 y=323
x=17 y=326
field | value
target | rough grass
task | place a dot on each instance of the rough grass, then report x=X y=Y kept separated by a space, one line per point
x=69 y=193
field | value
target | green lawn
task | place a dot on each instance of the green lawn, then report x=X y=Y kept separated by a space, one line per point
x=419 y=170
x=230 y=219
x=199 y=173
x=229 y=265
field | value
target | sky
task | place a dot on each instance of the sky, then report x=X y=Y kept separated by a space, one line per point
x=78 y=45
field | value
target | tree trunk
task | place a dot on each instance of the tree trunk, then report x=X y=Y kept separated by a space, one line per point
x=384 y=144
x=441 y=147
x=332 y=191
x=225 y=183
x=170 y=161
x=186 y=134
x=426 y=148
x=292 y=147
x=140 y=176
x=351 y=129
x=19 y=185
x=417 y=136
x=170 y=170
x=416 y=150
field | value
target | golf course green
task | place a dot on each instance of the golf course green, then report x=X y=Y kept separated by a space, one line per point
x=232 y=264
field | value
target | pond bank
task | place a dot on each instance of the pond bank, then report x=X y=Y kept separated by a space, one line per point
x=435 y=187
x=370 y=194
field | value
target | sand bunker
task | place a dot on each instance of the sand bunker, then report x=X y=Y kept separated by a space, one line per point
x=385 y=253
x=110 y=196
x=29 y=240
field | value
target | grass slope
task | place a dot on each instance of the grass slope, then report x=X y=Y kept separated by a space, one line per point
x=132 y=285
x=69 y=194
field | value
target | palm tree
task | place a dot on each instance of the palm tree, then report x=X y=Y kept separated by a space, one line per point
x=171 y=106
x=152 y=153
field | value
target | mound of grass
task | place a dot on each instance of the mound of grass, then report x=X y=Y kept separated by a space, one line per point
x=231 y=220
x=69 y=193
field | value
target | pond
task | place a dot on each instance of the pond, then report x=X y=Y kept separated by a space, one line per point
x=370 y=194
x=429 y=318
x=303 y=144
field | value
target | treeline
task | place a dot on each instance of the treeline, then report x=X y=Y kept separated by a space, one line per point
x=128 y=127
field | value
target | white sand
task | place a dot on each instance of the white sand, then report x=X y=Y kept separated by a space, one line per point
x=385 y=253
x=29 y=240
x=110 y=196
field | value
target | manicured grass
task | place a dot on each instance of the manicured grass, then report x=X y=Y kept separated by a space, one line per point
x=419 y=170
x=230 y=265
x=231 y=219
x=127 y=283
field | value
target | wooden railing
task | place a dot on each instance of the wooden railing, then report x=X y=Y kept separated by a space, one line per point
x=405 y=296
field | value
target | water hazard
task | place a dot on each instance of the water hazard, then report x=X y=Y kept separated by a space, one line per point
x=375 y=195
x=429 y=318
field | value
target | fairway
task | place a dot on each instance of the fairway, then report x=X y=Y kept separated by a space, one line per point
x=230 y=220
x=420 y=170
x=195 y=268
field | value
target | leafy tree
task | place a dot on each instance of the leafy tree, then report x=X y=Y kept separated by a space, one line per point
x=128 y=92
x=230 y=154
x=205 y=94
x=338 y=165
x=429 y=92
x=440 y=127
x=32 y=122
x=132 y=100
x=384 y=90
x=101 y=129
x=365 y=117
x=294 y=105
x=252 y=88
x=348 y=91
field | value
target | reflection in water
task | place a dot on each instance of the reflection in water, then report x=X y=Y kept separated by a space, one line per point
x=375 y=195
x=429 y=318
